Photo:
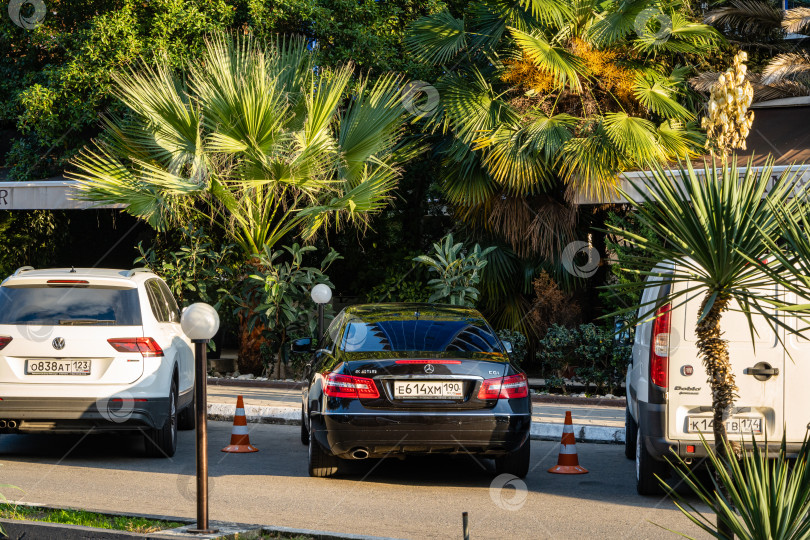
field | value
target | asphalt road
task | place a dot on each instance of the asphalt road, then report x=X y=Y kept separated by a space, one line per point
x=415 y=498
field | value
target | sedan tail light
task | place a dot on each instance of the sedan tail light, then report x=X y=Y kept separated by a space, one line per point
x=4 y=340
x=347 y=386
x=147 y=346
x=514 y=386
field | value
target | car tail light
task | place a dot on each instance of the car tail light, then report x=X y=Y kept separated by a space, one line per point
x=147 y=346
x=659 y=349
x=514 y=386
x=4 y=340
x=347 y=386
x=67 y=282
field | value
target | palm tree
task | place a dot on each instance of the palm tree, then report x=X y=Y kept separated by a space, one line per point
x=717 y=228
x=543 y=101
x=254 y=137
x=774 y=34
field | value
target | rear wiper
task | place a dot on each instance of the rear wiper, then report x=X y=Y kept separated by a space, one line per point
x=76 y=322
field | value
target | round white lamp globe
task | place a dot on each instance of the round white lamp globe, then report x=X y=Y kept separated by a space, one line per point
x=321 y=294
x=200 y=321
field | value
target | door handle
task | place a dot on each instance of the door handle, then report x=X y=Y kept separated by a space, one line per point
x=762 y=371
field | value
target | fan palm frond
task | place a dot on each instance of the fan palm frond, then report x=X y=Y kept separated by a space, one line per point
x=656 y=96
x=752 y=17
x=436 y=38
x=565 y=67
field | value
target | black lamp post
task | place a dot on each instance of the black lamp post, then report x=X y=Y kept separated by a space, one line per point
x=200 y=322
x=321 y=294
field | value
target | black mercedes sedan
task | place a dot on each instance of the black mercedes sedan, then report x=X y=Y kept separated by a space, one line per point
x=398 y=379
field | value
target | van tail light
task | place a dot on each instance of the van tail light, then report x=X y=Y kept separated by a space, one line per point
x=347 y=386
x=514 y=386
x=659 y=350
x=147 y=346
x=4 y=340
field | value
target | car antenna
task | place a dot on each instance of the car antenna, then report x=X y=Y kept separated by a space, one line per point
x=72 y=269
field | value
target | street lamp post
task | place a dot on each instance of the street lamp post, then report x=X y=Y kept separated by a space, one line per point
x=200 y=322
x=321 y=294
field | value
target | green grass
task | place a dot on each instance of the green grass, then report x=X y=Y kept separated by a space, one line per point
x=86 y=519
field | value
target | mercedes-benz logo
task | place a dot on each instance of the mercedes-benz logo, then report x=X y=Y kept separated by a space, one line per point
x=58 y=343
x=429 y=368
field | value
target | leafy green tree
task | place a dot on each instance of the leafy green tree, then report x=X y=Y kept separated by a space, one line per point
x=255 y=139
x=459 y=272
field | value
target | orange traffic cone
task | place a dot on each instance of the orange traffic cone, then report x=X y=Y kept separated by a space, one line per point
x=240 y=441
x=568 y=462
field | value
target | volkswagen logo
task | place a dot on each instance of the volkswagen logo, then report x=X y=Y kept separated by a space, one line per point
x=429 y=368
x=58 y=343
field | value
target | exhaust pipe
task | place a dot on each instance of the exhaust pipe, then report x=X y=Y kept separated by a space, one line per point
x=359 y=453
x=2 y=424
x=12 y=424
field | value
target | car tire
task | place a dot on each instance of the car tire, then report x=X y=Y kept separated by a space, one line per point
x=321 y=463
x=647 y=468
x=162 y=442
x=304 y=428
x=187 y=419
x=515 y=463
x=630 y=435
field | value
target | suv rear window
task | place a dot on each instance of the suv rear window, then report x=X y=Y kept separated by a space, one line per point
x=87 y=306
x=419 y=335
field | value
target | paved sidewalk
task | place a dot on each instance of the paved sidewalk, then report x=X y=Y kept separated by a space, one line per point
x=592 y=423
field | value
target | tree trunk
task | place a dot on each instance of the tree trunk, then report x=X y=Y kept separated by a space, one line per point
x=714 y=354
x=250 y=343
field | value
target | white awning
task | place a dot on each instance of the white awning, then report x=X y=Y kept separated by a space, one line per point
x=57 y=194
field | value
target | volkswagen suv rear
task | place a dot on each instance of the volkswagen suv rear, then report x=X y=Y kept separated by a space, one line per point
x=94 y=349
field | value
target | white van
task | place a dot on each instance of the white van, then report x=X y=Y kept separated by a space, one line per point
x=669 y=401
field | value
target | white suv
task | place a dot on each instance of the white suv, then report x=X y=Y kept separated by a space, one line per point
x=94 y=349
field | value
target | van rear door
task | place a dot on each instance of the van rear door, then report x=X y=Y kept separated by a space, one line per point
x=796 y=380
x=760 y=406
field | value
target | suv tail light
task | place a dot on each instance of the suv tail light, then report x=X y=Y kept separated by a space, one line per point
x=4 y=340
x=347 y=386
x=514 y=386
x=659 y=348
x=147 y=346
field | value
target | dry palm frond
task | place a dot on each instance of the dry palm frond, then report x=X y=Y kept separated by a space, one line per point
x=796 y=20
x=538 y=226
x=747 y=17
x=762 y=92
x=787 y=66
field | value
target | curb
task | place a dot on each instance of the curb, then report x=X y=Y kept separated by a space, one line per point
x=541 y=431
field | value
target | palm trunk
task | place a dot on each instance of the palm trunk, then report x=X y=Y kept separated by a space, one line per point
x=714 y=353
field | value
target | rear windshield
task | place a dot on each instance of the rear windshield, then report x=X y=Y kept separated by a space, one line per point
x=69 y=306
x=419 y=335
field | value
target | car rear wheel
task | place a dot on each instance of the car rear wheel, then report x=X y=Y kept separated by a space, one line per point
x=647 y=468
x=515 y=463
x=162 y=442
x=321 y=463
x=304 y=428
x=187 y=419
x=630 y=434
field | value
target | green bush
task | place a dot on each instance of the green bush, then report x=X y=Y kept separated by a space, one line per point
x=587 y=354
x=519 y=345
x=459 y=272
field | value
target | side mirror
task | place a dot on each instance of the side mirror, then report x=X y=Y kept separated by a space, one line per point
x=508 y=346
x=303 y=345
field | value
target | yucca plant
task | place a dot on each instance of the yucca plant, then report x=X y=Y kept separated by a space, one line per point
x=714 y=224
x=753 y=498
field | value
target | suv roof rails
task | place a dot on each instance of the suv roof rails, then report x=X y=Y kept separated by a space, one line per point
x=134 y=271
x=22 y=269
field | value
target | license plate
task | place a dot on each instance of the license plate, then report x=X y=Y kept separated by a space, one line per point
x=428 y=390
x=705 y=424
x=57 y=367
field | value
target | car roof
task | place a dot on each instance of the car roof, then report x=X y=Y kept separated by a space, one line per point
x=444 y=311
x=26 y=275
